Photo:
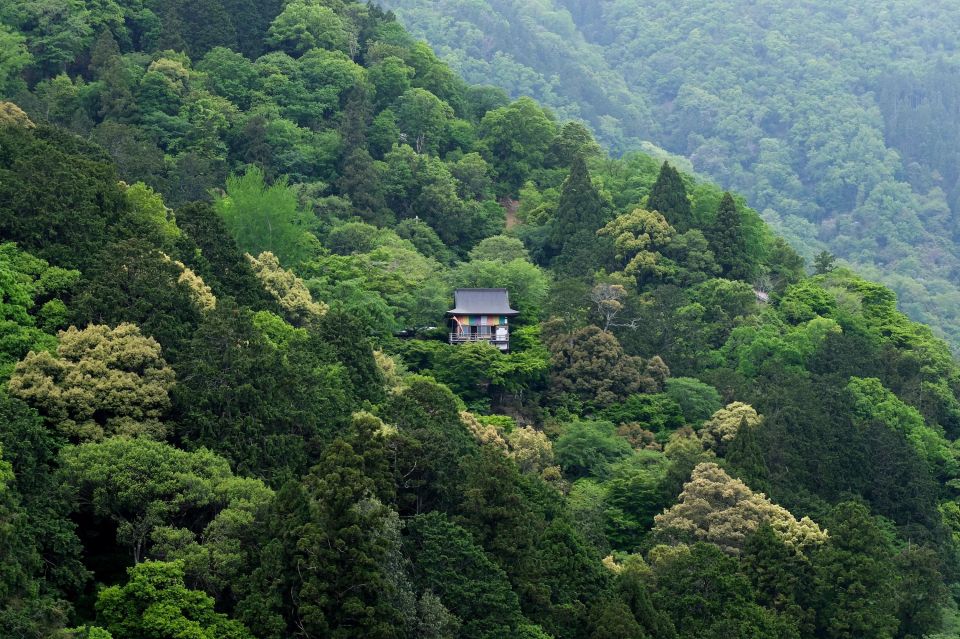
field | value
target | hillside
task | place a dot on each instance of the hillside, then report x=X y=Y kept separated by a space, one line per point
x=840 y=124
x=229 y=233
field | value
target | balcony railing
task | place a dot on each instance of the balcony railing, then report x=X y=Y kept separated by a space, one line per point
x=501 y=341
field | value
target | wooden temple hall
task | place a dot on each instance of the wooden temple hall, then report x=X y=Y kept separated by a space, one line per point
x=481 y=315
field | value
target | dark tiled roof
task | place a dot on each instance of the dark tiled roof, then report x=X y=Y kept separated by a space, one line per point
x=481 y=301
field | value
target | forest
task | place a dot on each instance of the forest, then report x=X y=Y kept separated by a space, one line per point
x=228 y=409
x=838 y=122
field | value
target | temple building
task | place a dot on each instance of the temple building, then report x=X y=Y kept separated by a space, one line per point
x=481 y=315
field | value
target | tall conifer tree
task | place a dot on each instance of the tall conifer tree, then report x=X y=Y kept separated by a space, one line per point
x=669 y=197
x=729 y=243
x=580 y=212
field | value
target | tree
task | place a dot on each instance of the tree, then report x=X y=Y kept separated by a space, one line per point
x=257 y=401
x=13 y=59
x=470 y=586
x=30 y=304
x=59 y=195
x=707 y=598
x=639 y=238
x=101 y=382
x=614 y=620
x=920 y=592
x=499 y=248
x=142 y=486
x=780 y=575
x=207 y=247
x=728 y=241
x=697 y=401
x=308 y=24
x=588 y=448
x=289 y=290
x=514 y=139
x=824 y=262
x=156 y=604
x=721 y=510
x=424 y=119
x=344 y=590
x=528 y=284
x=591 y=365
x=725 y=424
x=855 y=577
x=265 y=218
x=668 y=196
x=580 y=212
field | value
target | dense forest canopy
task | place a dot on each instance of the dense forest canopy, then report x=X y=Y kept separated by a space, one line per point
x=839 y=122
x=228 y=229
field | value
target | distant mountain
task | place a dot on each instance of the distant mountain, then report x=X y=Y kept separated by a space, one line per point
x=840 y=123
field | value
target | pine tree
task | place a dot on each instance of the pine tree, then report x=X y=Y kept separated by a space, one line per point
x=669 y=197
x=745 y=456
x=580 y=212
x=824 y=262
x=729 y=243
x=855 y=577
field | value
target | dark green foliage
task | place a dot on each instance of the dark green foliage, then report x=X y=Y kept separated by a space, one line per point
x=130 y=282
x=587 y=448
x=705 y=596
x=434 y=444
x=208 y=249
x=580 y=212
x=728 y=241
x=745 y=457
x=658 y=413
x=858 y=558
x=467 y=582
x=347 y=337
x=257 y=405
x=59 y=197
x=342 y=547
x=669 y=196
x=41 y=550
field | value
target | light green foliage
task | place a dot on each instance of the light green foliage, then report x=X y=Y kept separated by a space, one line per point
x=499 y=248
x=721 y=510
x=639 y=237
x=151 y=490
x=265 y=218
x=14 y=57
x=156 y=604
x=515 y=139
x=150 y=218
x=101 y=382
x=308 y=24
x=697 y=400
x=423 y=119
x=874 y=403
x=289 y=290
x=588 y=448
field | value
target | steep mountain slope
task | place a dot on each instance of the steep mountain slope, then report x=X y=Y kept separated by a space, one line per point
x=220 y=416
x=839 y=123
